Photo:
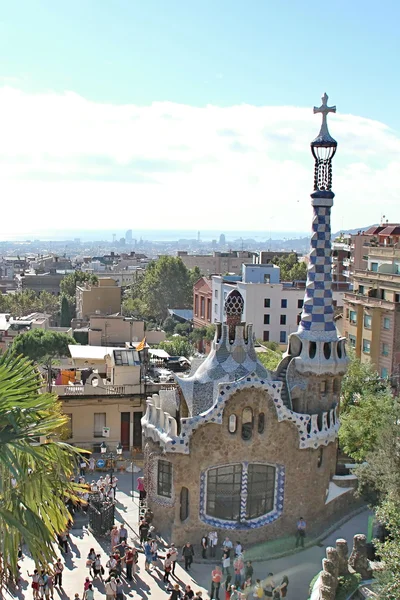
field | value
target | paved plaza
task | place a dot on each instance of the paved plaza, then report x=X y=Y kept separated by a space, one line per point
x=299 y=567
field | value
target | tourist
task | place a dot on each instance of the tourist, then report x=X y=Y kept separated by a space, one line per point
x=114 y=535
x=198 y=595
x=234 y=593
x=176 y=593
x=76 y=597
x=226 y=562
x=227 y=543
x=167 y=568
x=123 y=533
x=92 y=464
x=111 y=589
x=148 y=556
x=188 y=593
x=238 y=566
x=188 y=553
x=129 y=562
x=154 y=552
x=94 y=487
x=89 y=593
x=111 y=565
x=248 y=574
x=173 y=552
x=86 y=585
x=42 y=583
x=49 y=589
x=63 y=541
x=204 y=544
x=301 y=532
x=98 y=569
x=120 y=590
x=216 y=576
x=284 y=586
x=58 y=571
x=82 y=467
x=113 y=485
x=269 y=586
x=143 y=530
x=212 y=542
x=141 y=488
x=258 y=591
x=238 y=549
x=91 y=557
x=148 y=515
x=35 y=583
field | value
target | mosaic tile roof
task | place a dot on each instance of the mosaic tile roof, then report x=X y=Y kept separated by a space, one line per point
x=227 y=361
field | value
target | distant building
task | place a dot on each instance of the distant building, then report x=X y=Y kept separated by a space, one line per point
x=222 y=239
x=217 y=263
x=45 y=282
x=103 y=298
x=114 y=330
x=202 y=302
x=372 y=309
x=128 y=236
x=273 y=307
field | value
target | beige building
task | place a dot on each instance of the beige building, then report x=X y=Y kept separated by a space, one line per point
x=114 y=330
x=113 y=399
x=103 y=298
x=217 y=262
x=372 y=310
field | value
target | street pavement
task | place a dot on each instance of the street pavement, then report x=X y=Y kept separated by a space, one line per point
x=299 y=567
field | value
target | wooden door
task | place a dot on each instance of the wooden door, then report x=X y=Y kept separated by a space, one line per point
x=137 y=429
x=125 y=430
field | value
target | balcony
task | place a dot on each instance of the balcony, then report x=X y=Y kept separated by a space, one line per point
x=367 y=300
x=377 y=276
x=346 y=262
x=107 y=389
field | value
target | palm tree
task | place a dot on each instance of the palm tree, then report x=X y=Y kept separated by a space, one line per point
x=35 y=478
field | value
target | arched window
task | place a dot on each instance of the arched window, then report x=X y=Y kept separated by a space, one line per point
x=232 y=423
x=261 y=423
x=184 y=509
x=227 y=488
x=312 y=349
x=247 y=423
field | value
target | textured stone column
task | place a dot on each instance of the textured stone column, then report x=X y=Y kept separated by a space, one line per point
x=358 y=558
x=343 y=555
x=329 y=580
x=332 y=555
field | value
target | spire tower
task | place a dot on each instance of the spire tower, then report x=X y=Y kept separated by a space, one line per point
x=316 y=342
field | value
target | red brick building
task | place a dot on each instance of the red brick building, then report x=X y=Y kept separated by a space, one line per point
x=202 y=302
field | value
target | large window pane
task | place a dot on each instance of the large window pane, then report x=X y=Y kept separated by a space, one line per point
x=223 y=492
x=260 y=491
x=164 y=479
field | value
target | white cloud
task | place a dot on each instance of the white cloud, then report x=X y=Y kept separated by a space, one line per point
x=68 y=162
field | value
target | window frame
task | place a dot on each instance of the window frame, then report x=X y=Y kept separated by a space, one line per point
x=386 y=320
x=267 y=302
x=96 y=432
x=282 y=320
x=367 y=322
x=164 y=478
x=283 y=302
x=282 y=337
x=267 y=319
x=366 y=344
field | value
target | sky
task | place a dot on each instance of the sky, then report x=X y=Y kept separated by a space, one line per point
x=188 y=114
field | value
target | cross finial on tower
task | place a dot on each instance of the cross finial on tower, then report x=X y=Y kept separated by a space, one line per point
x=324 y=109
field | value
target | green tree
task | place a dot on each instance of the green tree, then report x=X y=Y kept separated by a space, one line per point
x=169 y=325
x=178 y=346
x=65 y=312
x=167 y=283
x=183 y=328
x=291 y=269
x=49 y=303
x=35 y=479
x=134 y=307
x=361 y=378
x=43 y=346
x=381 y=474
x=269 y=359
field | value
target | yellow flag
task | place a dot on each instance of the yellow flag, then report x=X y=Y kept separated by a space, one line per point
x=141 y=346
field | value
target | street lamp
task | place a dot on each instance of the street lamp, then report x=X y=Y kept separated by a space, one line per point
x=110 y=456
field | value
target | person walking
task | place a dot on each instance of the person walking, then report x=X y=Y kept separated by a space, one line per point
x=91 y=557
x=188 y=553
x=49 y=589
x=258 y=591
x=175 y=593
x=82 y=467
x=119 y=595
x=35 y=583
x=143 y=530
x=148 y=556
x=216 y=576
x=154 y=553
x=234 y=593
x=63 y=541
x=58 y=572
x=98 y=569
x=89 y=593
x=167 y=568
x=130 y=563
x=173 y=552
x=238 y=566
x=248 y=574
x=269 y=586
x=113 y=484
x=212 y=542
x=111 y=589
x=226 y=562
x=284 y=586
x=188 y=593
x=204 y=544
x=141 y=488
x=301 y=532
x=92 y=464
x=111 y=565
x=114 y=536
x=123 y=533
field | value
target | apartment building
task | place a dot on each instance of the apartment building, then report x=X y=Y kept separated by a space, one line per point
x=372 y=310
x=272 y=306
x=217 y=262
x=202 y=302
x=102 y=298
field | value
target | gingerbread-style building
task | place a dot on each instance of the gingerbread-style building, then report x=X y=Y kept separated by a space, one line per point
x=235 y=447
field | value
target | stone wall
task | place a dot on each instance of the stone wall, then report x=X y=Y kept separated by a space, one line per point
x=304 y=483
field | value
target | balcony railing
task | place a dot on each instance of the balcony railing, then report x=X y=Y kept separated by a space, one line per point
x=361 y=299
x=106 y=389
